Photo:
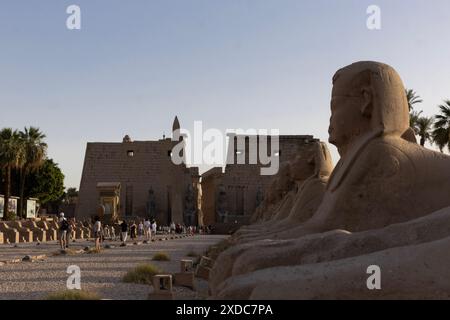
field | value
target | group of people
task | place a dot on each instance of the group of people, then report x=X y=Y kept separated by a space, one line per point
x=143 y=229
x=67 y=229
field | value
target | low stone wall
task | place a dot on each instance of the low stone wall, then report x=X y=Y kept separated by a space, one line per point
x=38 y=231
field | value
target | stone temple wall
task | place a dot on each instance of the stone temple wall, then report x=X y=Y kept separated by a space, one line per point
x=240 y=187
x=138 y=166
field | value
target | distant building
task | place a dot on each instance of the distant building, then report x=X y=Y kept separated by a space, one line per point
x=137 y=179
x=231 y=197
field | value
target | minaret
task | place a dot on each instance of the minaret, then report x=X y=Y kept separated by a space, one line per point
x=177 y=137
x=175 y=127
x=176 y=124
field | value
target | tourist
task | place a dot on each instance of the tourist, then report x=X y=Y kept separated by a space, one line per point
x=147 y=229
x=107 y=233
x=133 y=229
x=70 y=230
x=153 y=231
x=63 y=227
x=97 y=232
x=124 y=230
x=113 y=233
x=140 y=229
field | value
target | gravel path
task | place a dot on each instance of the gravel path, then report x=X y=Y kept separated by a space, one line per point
x=101 y=273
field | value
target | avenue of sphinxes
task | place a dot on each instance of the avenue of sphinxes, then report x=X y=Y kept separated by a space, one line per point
x=386 y=203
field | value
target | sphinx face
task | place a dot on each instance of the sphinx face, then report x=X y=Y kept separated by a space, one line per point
x=343 y=114
x=347 y=120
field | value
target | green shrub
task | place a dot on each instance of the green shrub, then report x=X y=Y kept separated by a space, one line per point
x=142 y=274
x=73 y=295
x=161 y=256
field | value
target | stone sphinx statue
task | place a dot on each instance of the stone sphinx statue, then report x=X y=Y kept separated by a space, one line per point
x=310 y=171
x=308 y=174
x=383 y=176
x=272 y=201
x=386 y=197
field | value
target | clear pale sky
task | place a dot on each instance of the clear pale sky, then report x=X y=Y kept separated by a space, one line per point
x=136 y=64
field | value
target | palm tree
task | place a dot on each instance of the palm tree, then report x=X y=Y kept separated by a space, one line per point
x=440 y=138
x=422 y=128
x=441 y=132
x=414 y=117
x=35 y=151
x=412 y=98
x=11 y=156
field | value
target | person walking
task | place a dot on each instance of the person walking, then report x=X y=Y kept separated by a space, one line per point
x=153 y=232
x=124 y=230
x=140 y=230
x=113 y=233
x=147 y=229
x=63 y=228
x=97 y=232
x=133 y=229
x=106 y=233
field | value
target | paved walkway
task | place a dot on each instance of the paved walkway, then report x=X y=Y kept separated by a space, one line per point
x=101 y=273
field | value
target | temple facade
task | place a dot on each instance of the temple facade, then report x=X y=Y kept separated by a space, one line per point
x=137 y=179
x=230 y=196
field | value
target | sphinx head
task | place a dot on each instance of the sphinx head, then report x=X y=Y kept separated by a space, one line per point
x=317 y=163
x=367 y=97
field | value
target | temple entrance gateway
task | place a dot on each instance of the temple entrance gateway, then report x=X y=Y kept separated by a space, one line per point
x=109 y=199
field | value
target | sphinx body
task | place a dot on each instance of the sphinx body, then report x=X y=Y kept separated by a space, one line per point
x=307 y=177
x=373 y=203
x=305 y=201
x=414 y=271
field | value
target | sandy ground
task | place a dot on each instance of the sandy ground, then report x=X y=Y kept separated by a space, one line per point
x=101 y=273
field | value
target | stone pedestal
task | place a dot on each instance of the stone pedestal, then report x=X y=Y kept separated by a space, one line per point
x=204 y=268
x=202 y=272
x=162 y=287
x=186 y=266
x=185 y=277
